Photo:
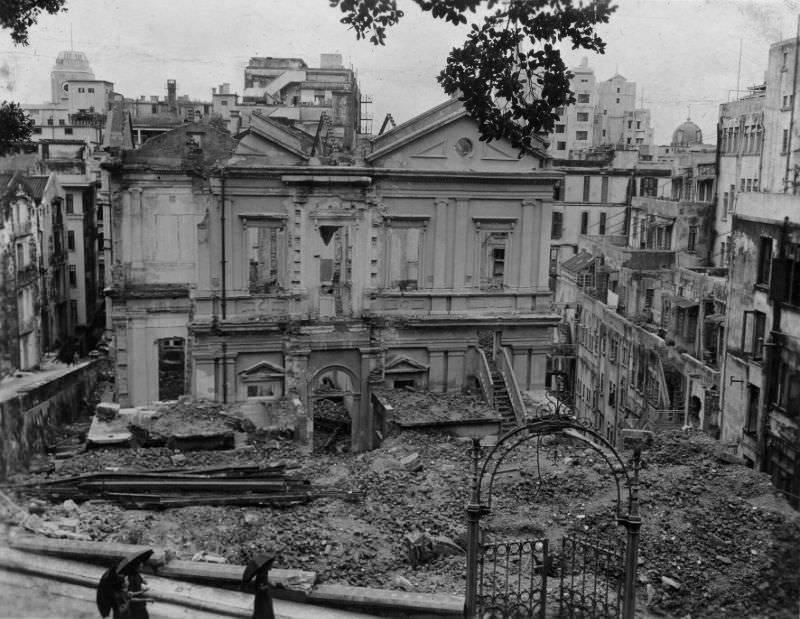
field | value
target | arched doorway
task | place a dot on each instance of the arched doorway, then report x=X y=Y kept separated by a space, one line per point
x=594 y=577
x=334 y=401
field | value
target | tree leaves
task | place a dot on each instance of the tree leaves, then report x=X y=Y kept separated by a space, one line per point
x=19 y=15
x=508 y=73
x=15 y=126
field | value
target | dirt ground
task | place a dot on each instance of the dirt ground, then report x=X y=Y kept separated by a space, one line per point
x=716 y=541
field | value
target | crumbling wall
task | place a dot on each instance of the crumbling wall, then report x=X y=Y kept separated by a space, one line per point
x=29 y=418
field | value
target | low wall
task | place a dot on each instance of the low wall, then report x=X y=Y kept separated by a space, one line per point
x=30 y=417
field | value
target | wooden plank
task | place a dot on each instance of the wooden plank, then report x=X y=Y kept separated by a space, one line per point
x=95 y=552
x=106 y=553
x=220 y=602
x=401 y=601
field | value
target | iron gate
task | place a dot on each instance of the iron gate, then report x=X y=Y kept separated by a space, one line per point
x=582 y=578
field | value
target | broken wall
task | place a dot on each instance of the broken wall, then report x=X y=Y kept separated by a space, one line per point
x=29 y=419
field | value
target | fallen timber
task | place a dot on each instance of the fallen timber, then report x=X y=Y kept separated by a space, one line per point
x=242 y=486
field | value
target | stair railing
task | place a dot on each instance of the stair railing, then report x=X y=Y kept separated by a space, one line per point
x=485 y=377
x=506 y=368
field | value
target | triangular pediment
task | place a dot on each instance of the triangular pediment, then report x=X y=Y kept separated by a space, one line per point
x=262 y=369
x=402 y=365
x=255 y=142
x=446 y=138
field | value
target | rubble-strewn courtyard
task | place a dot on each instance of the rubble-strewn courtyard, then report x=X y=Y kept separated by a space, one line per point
x=717 y=541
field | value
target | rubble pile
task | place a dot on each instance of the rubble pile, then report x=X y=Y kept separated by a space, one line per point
x=716 y=541
x=411 y=405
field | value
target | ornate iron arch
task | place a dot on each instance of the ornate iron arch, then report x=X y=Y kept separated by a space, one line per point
x=544 y=427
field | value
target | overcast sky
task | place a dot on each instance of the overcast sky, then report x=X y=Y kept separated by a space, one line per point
x=680 y=53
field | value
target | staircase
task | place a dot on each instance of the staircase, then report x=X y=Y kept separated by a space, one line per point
x=502 y=402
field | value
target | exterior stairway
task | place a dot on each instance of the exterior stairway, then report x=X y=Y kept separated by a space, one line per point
x=502 y=401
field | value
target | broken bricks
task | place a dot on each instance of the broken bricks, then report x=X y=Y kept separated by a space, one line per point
x=422 y=548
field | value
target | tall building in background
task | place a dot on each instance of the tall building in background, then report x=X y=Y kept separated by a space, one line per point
x=604 y=114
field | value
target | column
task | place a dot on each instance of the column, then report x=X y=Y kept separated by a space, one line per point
x=460 y=240
x=527 y=275
x=440 y=246
x=455 y=370
x=436 y=373
x=364 y=435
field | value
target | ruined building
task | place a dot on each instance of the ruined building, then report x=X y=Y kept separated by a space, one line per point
x=639 y=344
x=761 y=399
x=280 y=262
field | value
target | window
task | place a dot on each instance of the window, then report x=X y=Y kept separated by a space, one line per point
x=494 y=238
x=557 y=225
x=649 y=186
x=585 y=222
x=553 y=261
x=751 y=423
x=223 y=102
x=67 y=130
x=630 y=124
x=586 y=185
x=638 y=124
x=81 y=89
x=581 y=135
x=154 y=109
x=265 y=246
x=754 y=324
x=73 y=276
x=604 y=133
x=583 y=97
x=764 y=260
x=70 y=240
x=100 y=241
x=604 y=192
x=583 y=117
x=100 y=213
x=785 y=277
x=725 y=198
x=70 y=199
x=404 y=254
x=561 y=146
x=732 y=198
x=559 y=128
x=617 y=99
x=788 y=392
x=691 y=243
x=49 y=121
x=37 y=130
x=61 y=122
x=73 y=311
x=785 y=142
x=741 y=184
x=749 y=186
x=602 y=226
x=90 y=89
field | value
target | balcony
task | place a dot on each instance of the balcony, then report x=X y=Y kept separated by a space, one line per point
x=562 y=350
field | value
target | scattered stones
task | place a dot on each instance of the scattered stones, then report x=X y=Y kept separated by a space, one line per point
x=670 y=583
x=402 y=583
x=70 y=506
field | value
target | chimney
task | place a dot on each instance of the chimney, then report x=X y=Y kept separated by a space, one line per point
x=213 y=91
x=225 y=89
x=172 y=89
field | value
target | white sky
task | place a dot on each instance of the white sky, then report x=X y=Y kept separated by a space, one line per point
x=679 y=52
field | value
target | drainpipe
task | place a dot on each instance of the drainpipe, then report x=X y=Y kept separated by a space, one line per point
x=792 y=181
x=223 y=263
x=224 y=373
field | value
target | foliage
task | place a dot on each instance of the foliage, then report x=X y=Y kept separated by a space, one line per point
x=15 y=126
x=508 y=73
x=19 y=15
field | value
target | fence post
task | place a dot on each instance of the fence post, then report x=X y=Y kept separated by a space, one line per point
x=473 y=535
x=633 y=524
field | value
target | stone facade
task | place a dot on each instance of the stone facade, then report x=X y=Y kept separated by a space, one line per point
x=289 y=274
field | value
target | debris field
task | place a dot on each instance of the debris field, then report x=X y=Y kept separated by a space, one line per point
x=716 y=541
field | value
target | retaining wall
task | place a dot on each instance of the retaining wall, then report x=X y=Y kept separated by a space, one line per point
x=30 y=417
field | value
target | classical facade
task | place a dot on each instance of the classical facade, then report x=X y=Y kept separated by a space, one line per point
x=287 y=273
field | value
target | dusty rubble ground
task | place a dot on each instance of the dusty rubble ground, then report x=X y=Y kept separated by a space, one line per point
x=716 y=540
